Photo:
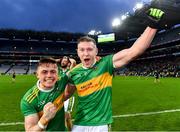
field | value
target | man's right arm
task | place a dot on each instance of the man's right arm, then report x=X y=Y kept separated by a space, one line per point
x=31 y=123
x=34 y=123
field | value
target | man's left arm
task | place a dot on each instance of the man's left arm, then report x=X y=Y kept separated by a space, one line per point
x=141 y=44
x=73 y=62
x=69 y=91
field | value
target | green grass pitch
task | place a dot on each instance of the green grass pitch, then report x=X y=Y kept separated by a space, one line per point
x=130 y=95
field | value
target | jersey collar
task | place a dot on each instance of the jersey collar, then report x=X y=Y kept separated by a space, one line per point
x=43 y=90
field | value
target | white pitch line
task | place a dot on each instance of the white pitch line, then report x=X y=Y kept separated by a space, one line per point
x=11 y=123
x=148 y=113
x=116 y=116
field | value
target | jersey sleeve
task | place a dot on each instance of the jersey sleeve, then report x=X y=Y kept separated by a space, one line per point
x=70 y=81
x=108 y=60
x=27 y=108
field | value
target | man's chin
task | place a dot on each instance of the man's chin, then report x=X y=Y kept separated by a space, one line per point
x=87 y=66
x=64 y=66
x=49 y=86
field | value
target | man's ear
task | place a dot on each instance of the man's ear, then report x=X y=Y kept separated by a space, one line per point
x=37 y=75
x=96 y=51
x=77 y=52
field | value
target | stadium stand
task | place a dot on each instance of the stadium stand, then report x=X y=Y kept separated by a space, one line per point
x=18 y=68
x=24 y=48
x=4 y=68
x=167 y=67
x=22 y=55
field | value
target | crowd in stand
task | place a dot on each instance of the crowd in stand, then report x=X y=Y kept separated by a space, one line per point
x=165 y=67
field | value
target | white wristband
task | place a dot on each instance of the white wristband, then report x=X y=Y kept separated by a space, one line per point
x=41 y=125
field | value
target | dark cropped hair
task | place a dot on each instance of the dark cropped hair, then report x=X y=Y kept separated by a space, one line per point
x=46 y=60
x=66 y=57
x=86 y=39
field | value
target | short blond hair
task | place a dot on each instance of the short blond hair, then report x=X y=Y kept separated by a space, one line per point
x=86 y=39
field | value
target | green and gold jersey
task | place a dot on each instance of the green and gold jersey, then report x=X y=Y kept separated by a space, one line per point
x=94 y=88
x=61 y=71
x=35 y=99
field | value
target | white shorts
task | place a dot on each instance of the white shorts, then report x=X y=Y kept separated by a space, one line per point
x=102 y=128
x=68 y=104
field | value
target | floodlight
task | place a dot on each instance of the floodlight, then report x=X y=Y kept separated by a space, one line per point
x=116 y=22
x=123 y=17
x=92 y=32
x=138 y=6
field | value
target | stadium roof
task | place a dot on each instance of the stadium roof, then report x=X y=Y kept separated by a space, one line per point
x=134 y=25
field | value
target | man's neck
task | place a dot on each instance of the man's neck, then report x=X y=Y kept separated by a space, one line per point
x=42 y=88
